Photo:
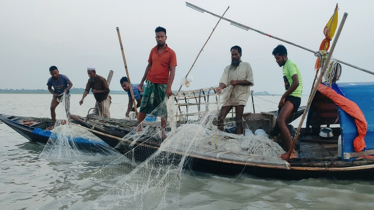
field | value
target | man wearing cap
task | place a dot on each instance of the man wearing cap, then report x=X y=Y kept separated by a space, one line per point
x=100 y=90
x=159 y=74
x=61 y=85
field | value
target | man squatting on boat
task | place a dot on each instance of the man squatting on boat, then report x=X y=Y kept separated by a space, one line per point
x=61 y=85
x=159 y=75
x=236 y=80
x=290 y=100
x=100 y=90
x=137 y=94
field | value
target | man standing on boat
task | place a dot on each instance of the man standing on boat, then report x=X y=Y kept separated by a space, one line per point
x=291 y=98
x=61 y=85
x=159 y=74
x=236 y=80
x=100 y=90
x=137 y=94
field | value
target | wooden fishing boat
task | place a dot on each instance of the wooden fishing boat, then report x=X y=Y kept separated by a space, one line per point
x=113 y=132
x=317 y=155
x=191 y=106
x=328 y=145
x=114 y=127
x=34 y=129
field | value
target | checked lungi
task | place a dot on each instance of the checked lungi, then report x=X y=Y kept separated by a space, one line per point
x=153 y=99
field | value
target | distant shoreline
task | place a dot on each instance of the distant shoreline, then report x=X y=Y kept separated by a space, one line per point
x=81 y=90
x=43 y=91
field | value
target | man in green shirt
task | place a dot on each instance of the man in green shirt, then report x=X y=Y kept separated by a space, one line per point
x=291 y=98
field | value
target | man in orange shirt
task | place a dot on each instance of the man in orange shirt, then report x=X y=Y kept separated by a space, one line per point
x=159 y=76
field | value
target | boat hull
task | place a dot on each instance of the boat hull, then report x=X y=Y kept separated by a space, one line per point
x=34 y=129
x=293 y=173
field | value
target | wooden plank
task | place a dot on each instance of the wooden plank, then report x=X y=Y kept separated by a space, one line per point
x=195 y=154
x=332 y=149
x=358 y=154
x=197 y=90
x=195 y=96
x=313 y=150
x=192 y=104
x=353 y=168
x=191 y=114
x=110 y=75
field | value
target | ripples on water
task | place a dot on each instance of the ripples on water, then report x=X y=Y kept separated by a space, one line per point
x=28 y=182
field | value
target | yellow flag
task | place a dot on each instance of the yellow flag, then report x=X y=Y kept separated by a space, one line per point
x=329 y=32
x=331 y=26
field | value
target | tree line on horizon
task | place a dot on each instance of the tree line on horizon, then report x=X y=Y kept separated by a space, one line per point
x=81 y=90
x=44 y=91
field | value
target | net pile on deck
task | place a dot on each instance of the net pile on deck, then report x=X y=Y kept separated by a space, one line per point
x=206 y=141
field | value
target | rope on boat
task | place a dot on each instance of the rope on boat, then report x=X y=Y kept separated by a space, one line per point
x=244 y=27
x=220 y=17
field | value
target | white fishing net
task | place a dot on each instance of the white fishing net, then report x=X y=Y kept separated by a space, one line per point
x=70 y=143
x=150 y=172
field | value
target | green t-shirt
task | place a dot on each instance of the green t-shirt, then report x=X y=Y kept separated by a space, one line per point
x=289 y=69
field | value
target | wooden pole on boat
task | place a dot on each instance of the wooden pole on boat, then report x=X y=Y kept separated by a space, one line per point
x=253 y=103
x=127 y=73
x=244 y=27
x=109 y=78
x=325 y=65
x=220 y=17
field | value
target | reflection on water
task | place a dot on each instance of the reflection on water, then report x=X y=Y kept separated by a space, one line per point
x=28 y=182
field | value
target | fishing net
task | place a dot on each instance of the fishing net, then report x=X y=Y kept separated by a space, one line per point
x=70 y=143
x=150 y=173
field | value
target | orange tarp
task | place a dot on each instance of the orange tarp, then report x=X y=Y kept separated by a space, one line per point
x=353 y=110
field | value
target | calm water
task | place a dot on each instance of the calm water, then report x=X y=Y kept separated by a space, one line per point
x=28 y=182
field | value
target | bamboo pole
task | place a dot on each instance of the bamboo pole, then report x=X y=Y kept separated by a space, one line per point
x=109 y=78
x=127 y=73
x=193 y=64
x=325 y=65
x=253 y=103
x=244 y=27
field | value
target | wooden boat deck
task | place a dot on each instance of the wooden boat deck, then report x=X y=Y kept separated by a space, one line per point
x=313 y=146
x=312 y=150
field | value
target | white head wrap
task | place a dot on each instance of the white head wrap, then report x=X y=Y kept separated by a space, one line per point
x=90 y=68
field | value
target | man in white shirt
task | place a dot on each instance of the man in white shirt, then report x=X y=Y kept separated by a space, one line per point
x=236 y=80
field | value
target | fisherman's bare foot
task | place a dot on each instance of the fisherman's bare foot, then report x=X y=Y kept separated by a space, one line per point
x=163 y=135
x=284 y=156
x=139 y=129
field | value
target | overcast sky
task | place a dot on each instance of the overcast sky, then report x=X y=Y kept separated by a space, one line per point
x=74 y=34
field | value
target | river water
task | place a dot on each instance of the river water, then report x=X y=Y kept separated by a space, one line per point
x=30 y=182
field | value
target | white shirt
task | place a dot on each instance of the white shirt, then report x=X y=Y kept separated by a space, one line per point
x=238 y=94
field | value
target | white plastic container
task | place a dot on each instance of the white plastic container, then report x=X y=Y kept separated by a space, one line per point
x=132 y=115
x=248 y=132
x=260 y=132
